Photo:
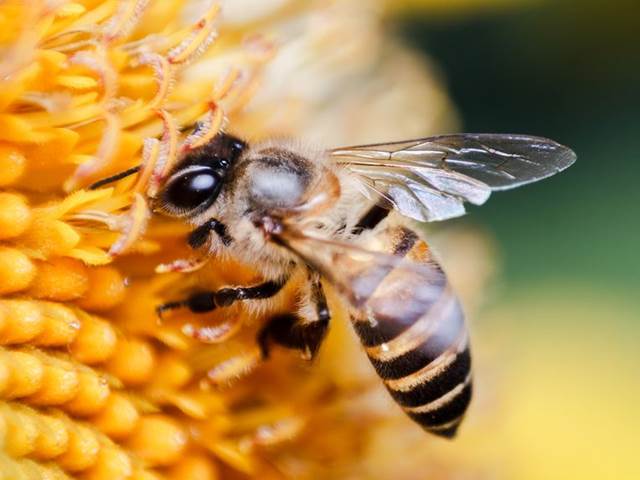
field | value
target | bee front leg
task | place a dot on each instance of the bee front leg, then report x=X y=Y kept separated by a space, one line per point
x=200 y=235
x=202 y=302
x=304 y=330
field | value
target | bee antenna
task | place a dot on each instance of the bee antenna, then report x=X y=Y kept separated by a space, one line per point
x=115 y=178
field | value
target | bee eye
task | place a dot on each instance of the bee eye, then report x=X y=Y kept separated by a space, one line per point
x=193 y=188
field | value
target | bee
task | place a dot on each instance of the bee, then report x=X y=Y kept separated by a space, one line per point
x=346 y=215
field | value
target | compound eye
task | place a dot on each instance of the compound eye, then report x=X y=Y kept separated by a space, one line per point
x=194 y=188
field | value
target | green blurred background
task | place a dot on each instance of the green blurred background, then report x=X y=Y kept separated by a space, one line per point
x=558 y=343
x=568 y=70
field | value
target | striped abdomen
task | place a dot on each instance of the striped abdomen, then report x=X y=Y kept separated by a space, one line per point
x=412 y=327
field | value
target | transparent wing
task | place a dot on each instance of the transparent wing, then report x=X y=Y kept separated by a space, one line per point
x=430 y=179
x=357 y=272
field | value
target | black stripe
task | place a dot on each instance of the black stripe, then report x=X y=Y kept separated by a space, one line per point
x=387 y=327
x=371 y=219
x=447 y=412
x=383 y=331
x=445 y=381
x=364 y=285
x=446 y=433
x=401 y=303
x=435 y=345
x=399 y=367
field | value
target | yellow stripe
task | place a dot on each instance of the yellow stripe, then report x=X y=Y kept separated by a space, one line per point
x=390 y=239
x=427 y=373
x=418 y=333
x=442 y=401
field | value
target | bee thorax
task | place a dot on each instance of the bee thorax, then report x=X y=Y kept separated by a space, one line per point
x=276 y=187
x=277 y=178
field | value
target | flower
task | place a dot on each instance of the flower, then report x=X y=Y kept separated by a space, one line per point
x=92 y=384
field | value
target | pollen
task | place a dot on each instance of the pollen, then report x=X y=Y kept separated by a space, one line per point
x=15 y=215
x=93 y=384
x=17 y=270
x=12 y=164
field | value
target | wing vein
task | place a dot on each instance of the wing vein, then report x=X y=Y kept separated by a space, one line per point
x=429 y=179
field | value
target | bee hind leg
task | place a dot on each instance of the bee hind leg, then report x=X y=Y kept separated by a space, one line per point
x=304 y=330
x=289 y=331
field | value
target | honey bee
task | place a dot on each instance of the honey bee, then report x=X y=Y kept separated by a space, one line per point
x=345 y=215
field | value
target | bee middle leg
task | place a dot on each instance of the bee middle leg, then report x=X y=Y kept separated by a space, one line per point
x=303 y=330
x=202 y=302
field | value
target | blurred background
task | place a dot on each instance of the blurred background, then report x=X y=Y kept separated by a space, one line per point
x=549 y=274
x=560 y=326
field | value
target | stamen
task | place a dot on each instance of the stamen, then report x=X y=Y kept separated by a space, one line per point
x=97 y=61
x=22 y=49
x=50 y=42
x=125 y=19
x=224 y=86
x=163 y=74
x=63 y=9
x=260 y=49
x=150 y=155
x=137 y=219
x=245 y=93
x=281 y=431
x=235 y=367
x=51 y=102
x=78 y=199
x=214 y=333
x=113 y=222
x=208 y=129
x=182 y=401
x=168 y=153
x=257 y=52
x=73 y=46
x=152 y=42
x=106 y=151
x=201 y=36
x=183 y=265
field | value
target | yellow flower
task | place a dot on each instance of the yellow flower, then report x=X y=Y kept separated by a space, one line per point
x=92 y=385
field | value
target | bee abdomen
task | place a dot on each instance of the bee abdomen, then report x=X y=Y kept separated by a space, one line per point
x=437 y=396
x=431 y=382
x=414 y=333
x=422 y=343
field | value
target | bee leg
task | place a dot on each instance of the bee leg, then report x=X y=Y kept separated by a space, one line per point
x=304 y=330
x=277 y=330
x=202 y=302
x=199 y=236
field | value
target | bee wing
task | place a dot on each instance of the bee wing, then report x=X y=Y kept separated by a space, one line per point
x=430 y=178
x=357 y=272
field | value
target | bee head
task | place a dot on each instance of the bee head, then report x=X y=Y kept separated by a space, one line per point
x=196 y=181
